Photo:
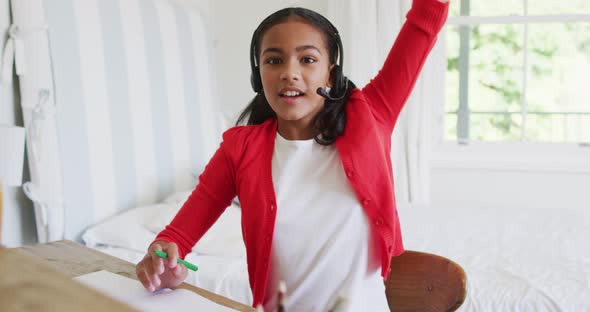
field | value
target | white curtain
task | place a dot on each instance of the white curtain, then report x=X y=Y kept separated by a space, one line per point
x=368 y=29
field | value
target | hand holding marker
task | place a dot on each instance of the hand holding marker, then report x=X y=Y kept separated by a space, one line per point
x=187 y=264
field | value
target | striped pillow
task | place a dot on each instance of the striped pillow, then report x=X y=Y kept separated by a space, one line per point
x=129 y=82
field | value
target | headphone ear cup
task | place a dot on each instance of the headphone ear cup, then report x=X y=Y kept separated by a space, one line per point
x=337 y=79
x=255 y=80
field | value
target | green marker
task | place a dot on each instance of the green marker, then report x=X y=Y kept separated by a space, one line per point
x=189 y=265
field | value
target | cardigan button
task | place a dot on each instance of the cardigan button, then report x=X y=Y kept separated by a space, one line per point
x=267 y=238
x=389 y=249
x=350 y=173
x=366 y=202
x=379 y=221
x=272 y=207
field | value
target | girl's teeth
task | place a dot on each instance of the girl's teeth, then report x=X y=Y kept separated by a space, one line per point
x=291 y=93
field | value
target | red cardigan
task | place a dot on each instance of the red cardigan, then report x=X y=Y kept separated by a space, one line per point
x=242 y=164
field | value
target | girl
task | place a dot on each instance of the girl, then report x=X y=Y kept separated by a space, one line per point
x=312 y=168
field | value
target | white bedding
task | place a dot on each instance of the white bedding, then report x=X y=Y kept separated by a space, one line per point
x=518 y=259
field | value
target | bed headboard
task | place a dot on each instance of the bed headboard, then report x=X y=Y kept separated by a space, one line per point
x=117 y=103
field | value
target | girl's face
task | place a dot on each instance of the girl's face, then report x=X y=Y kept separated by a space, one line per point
x=294 y=62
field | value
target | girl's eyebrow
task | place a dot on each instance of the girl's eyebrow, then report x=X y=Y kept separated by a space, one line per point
x=298 y=49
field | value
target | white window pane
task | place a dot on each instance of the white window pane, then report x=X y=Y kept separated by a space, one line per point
x=549 y=7
x=452 y=76
x=496 y=68
x=496 y=8
x=494 y=81
x=454 y=9
x=450 y=127
x=495 y=127
x=557 y=128
x=488 y=8
x=559 y=65
x=517 y=7
x=557 y=82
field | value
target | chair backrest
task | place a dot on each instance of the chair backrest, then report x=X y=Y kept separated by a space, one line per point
x=425 y=282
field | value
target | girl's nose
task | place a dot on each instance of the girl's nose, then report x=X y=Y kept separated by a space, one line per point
x=291 y=72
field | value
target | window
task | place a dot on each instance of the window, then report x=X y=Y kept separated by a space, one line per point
x=518 y=71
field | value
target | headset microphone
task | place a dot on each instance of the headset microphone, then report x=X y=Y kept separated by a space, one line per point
x=325 y=93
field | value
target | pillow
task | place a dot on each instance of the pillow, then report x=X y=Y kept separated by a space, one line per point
x=177 y=198
x=125 y=230
x=224 y=238
x=136 y=228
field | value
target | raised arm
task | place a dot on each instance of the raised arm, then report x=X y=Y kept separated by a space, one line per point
x=389 y=90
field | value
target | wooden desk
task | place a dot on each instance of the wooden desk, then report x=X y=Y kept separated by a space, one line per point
x=27 y=284
x=72 y=259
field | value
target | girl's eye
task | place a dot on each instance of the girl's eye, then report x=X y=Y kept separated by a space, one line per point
x=273 y=60
x=308 y=59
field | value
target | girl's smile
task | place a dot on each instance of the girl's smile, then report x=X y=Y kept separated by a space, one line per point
x=291 y=95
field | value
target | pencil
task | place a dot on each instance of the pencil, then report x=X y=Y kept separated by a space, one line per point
x=281 y=296
x=187 y=264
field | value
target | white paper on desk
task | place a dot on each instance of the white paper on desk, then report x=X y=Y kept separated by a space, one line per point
x=134 y=294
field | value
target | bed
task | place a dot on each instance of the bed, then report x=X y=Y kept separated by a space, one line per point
x=516 y=259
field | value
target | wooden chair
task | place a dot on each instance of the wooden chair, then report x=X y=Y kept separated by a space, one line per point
x=424 y=282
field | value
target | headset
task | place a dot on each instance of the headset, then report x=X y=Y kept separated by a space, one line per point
x=340 y=87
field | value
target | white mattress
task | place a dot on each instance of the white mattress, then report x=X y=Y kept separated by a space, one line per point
x=518 y=259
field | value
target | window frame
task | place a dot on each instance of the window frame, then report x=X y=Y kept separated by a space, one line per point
x=463 y=112
x=521 y=155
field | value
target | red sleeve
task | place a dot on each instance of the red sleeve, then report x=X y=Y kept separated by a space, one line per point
x=213 y=193
x=389 y=90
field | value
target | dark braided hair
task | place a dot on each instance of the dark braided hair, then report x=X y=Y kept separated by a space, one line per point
x=328 y=123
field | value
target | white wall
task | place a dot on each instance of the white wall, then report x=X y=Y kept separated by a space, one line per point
x=540 y=176
x=18 y=225
x=509 y=188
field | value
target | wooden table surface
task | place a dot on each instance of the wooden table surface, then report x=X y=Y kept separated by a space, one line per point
x=72 y=259
x=27 y=284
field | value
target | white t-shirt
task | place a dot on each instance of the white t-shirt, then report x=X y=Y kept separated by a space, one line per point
x=323 y=248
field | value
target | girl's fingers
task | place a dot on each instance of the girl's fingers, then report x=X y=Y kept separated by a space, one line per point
x=153 y=271
x=145 y=281
x=144 y=276
x=172 y=251
x=140 y=272
x=156 y=282
x=178 y=271
x=157 y=262
x=147 y=265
